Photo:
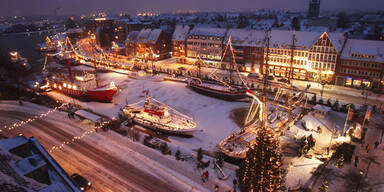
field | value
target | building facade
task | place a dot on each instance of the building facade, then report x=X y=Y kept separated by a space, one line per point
x=362 y=65
x=308 y=55
x=312 y=56
x=207 y=44
x=247 y=49
x=179 y=42
x=148 y=44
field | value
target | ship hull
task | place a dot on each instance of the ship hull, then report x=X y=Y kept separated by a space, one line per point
x=104 y=95
x=100 y=95
x=218 y=93
x=153 y=126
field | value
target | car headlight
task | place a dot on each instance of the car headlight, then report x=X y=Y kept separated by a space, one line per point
x=89 y=183
x=82 y=188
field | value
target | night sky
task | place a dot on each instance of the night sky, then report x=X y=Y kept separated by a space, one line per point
x=78 y=7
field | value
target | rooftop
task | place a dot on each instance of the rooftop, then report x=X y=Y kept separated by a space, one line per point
x=217 y=32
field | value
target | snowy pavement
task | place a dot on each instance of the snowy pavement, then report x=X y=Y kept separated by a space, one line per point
x=210 y=114
x=109 y=160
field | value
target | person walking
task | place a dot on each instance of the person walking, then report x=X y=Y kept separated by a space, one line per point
x=376 y=144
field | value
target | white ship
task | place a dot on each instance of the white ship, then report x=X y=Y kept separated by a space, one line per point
x=159 y=117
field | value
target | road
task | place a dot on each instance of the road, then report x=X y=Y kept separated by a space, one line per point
x=107 y=172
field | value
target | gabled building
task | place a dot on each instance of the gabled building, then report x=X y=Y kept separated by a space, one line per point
x=179 y=42
x=149 y=44
x=314 y=54
x=362 y=64
x=130 y=44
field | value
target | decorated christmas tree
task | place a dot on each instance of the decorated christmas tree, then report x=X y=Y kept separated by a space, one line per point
x=262 y=169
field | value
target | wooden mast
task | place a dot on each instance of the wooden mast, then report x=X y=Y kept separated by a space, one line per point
x=265 y=83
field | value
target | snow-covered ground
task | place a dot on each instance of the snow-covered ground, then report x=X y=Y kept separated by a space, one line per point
x=210 y=114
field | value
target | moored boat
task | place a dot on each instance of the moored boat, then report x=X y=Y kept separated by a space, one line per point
x=160 y=117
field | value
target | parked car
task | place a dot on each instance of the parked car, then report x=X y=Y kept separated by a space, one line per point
x=81 y=182
x=284 y=80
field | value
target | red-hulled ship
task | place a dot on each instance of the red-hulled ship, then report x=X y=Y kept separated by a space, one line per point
x=84 y=88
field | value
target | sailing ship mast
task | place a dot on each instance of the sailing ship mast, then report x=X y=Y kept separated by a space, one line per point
x=265 y=82
x=68 y=42
x=232 y=60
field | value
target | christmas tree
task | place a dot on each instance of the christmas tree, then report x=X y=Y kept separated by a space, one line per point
x=262 y=169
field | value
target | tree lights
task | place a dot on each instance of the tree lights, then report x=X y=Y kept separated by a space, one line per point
x=262 y=168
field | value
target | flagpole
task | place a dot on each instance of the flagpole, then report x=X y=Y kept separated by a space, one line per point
x=346 y=119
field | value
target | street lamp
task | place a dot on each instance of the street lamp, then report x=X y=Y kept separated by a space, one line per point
x=322 y=82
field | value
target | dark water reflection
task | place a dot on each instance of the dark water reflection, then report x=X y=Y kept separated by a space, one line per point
x=26 y=44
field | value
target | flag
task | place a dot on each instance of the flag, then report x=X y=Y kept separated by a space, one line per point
x=368 y=113
x=250 y=93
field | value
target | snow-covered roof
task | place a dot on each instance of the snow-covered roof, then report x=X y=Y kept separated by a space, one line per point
x=146 y=35
x=56 y=187
x=132 y=36
x=29 y=164
x=56 y=167
x=181 y=33
x=304 y=39
x=337 y=40
x=244 y=37
x=13 y=142
x=217 y=32
x=283 y=39
x=87 y=115
x=319 y=107
x=357 y=49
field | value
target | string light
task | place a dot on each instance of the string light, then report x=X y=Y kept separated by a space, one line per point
x=77 y=138
x=29 y=120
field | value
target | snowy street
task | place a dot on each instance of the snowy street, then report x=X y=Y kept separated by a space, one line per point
x=109 y=161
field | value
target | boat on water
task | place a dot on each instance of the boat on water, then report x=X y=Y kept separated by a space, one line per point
x=279 y=115
x=160 y=117
x=217 y=88
x=177 y=78
x=48 y=46
x=83 y=88
x=22 y=61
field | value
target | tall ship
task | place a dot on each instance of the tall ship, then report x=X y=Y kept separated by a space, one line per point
x=48 y=46
x=154 y=115
x=277 y=112
x=85 y=86
x=217 y=88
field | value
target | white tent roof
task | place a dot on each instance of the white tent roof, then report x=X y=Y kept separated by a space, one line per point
x=87 y=115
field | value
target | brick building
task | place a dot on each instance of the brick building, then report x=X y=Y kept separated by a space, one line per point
x=247 y=48
x=179 y=42
x=149 y=44
x=361 y=64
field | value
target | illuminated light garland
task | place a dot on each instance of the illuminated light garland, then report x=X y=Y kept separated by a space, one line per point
x=77 y=138
x=31 y=119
